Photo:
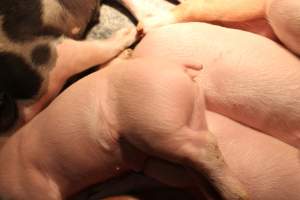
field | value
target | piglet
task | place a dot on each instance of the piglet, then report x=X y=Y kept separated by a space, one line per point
x=38 y=52
x=254 y=16
x=245 y=76
x=135 y=112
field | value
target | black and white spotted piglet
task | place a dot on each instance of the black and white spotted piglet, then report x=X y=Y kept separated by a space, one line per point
x=37 y=54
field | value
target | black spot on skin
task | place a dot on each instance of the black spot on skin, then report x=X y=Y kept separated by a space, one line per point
x=22 y=20
x=17 y=78
x=8 y=112
x=41 y=54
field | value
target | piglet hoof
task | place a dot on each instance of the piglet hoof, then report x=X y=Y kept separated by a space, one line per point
x=126 y=54
x=208 y=161
x=140 y=30
x=123 y=38
x=148 y=24
x=153 y=22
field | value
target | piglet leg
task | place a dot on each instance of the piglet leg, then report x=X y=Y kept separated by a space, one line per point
x=142 y=9
x=162 y=101
x=198 y=10
x=150 y=13
x=74 y=57
x=284 y=17
x=204 y=160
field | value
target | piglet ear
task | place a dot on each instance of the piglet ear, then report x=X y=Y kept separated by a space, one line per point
x=8 y=112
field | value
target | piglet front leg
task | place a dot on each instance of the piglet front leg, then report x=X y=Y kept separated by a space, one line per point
x=74 y=57
x=150 y=13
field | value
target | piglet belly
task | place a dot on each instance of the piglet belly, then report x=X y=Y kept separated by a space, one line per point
x=246 y=77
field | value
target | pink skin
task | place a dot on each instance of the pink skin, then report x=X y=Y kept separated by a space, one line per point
x=284 y=19
x=101 y=124
x=245 y=76
x=83 y=142
x=263 y=164
x=250 y=15
x=256 y=92
x=74 y=57
x=164 y=13
x=132 y=96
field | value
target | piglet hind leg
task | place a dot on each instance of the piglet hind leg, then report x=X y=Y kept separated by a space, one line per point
x=210 y=171
x=165 y=103
x=204 y=160
x=198 y=10
x=284 y=17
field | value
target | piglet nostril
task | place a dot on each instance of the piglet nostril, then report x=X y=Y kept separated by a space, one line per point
x=8 y=112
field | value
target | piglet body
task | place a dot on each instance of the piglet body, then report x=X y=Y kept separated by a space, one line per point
x=245 y=76
x=39 y=53
x=125 y=108
x=257 y=16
